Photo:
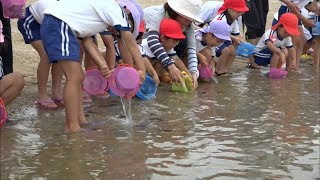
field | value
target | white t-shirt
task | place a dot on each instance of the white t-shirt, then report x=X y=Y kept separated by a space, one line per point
x=88 y=17
x=209 y=10
x=272 y=36
x=234 y=26
x=37 y=8
x=145 y=50
x=300 y=3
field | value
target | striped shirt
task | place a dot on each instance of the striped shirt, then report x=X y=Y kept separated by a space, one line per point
x=153 y=16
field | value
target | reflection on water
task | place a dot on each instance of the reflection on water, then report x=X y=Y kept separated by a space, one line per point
x=245 y=126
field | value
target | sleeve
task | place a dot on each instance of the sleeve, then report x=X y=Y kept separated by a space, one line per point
x=235 y=28
x=191 y=49
x=114 y=16
x=288 y=43
x=157 y=49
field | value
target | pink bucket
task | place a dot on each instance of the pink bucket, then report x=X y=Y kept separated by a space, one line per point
x=125 y=81
x=3 y=114
x=276 y=73
x=94 y=83
x=13 y=8
x=205 y=72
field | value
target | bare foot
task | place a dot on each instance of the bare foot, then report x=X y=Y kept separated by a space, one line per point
x=73 y=129
x=82 y=119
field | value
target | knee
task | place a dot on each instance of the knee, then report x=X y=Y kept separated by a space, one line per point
x=19 y=81
x=226 y=51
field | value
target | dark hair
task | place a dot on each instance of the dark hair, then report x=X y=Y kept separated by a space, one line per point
x=130 y=17
x=171 y=13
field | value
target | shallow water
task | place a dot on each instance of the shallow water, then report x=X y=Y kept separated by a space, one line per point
x=245 y=126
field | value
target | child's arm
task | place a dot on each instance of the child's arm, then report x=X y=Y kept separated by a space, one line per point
x=292 y=57
x=235 y=40
x=92 y=49
x=124 y=53
x=131 y=44
x=276 y=51
x=110 y=51
x=202 y=59
x=151 y=71
x=292 y=6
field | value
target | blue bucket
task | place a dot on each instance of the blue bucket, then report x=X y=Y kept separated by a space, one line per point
x=148 y=89
x=245 y=49
x=316 y=29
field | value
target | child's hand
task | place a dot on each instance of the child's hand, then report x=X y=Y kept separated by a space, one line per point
x=309 y=23
x=194 y=80
x=105 y=71
x=202 y=59
x=175 y=73
x=142 y=75
x=156 y=79
x=236 y=40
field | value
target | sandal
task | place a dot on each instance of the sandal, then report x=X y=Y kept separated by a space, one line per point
x=221 y=74
x=58 y=101
x=46 y=104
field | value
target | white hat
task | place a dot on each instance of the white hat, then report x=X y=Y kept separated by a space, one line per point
x=187 y=8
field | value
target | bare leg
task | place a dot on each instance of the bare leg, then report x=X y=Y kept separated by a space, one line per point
x=56 y=74
x=316 y=53
x=298 y=43
x=74 y=77
x=10 y=86
x=42 y=72
x=223 y=61
x=232 y=57
x=274 y=62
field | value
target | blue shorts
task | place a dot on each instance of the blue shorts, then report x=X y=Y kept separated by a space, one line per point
x=59 y=41
x=282 y=10
x=263 y=57
x=29 y=28
x=221 y=47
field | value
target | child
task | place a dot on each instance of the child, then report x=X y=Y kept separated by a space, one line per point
x=30 y=29
x=11 y=84
x=170 y=35
x=185 y=12
x=275 y=47
x=226 y=52
x=206 y=38
x=298 y=41
x=61 y=27
x=311 y=39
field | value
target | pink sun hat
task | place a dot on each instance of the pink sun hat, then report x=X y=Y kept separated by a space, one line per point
x=125 y=81
x=94 y=83
x=3 y=114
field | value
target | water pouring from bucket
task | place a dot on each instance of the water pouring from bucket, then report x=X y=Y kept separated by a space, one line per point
x=124 y=82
